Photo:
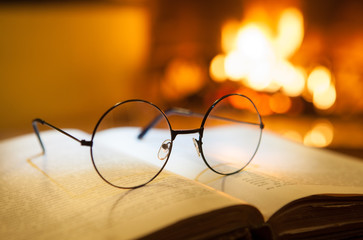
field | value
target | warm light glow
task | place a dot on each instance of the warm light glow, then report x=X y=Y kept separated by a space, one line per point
x=253 y=60
x=254 y=47
x=290 y=32
x=261 y=100
x=229 y=33
x=182 y=78
x=216 y=69
x=321 y=135
x=235 y=66
x=326 y=128
x=280 y=103
x=259 y=75
x=321 y=87
x=293 y=135
x=254 y=43
x=261 y=61
x=237 y=103
x=258 y=60
x=315 y=139
x=319 y=80
x=292 y=79
x=325 y=99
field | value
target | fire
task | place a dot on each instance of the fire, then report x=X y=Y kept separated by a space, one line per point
x=217 y=69
x=290 y=32
x=261 y=61
x=321 y=87
x=253 y=58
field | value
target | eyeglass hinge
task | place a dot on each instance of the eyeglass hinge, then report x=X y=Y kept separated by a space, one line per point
x=86 y=143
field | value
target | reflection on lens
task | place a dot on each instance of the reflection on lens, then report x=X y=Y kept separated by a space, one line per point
x=119 y=156
x=231 y=134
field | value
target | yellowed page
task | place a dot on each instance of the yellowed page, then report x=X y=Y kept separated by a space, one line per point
x=60 y=195
x=281 y=171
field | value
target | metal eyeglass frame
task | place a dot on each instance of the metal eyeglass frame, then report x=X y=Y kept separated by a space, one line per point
x=174 y=133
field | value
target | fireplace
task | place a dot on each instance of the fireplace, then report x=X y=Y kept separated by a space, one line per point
x=300 y=61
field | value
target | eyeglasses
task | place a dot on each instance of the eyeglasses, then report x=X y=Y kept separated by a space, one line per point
x=132 y=141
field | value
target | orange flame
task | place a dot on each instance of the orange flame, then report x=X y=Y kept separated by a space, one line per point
x=259 y=60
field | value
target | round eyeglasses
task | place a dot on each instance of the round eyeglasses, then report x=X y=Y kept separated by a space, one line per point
x=132 y=141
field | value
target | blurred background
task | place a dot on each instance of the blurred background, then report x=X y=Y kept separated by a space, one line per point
x=300 y=62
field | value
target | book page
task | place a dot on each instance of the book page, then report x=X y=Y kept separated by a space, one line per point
x=60 y=196
x=281 y=171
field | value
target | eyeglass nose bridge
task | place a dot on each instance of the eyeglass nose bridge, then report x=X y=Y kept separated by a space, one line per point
x=197 y=143
x=174 y=133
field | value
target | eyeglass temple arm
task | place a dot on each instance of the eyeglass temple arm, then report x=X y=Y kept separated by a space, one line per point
x=36 y=130
x=186 y=112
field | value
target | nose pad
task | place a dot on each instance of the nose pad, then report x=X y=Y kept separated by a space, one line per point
x=196 y=145
x=164 y=149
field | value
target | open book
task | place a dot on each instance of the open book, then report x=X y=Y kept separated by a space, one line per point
x=288 y=191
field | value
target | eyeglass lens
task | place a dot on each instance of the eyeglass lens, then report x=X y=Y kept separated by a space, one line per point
x=231 y=134
x=119 y=156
